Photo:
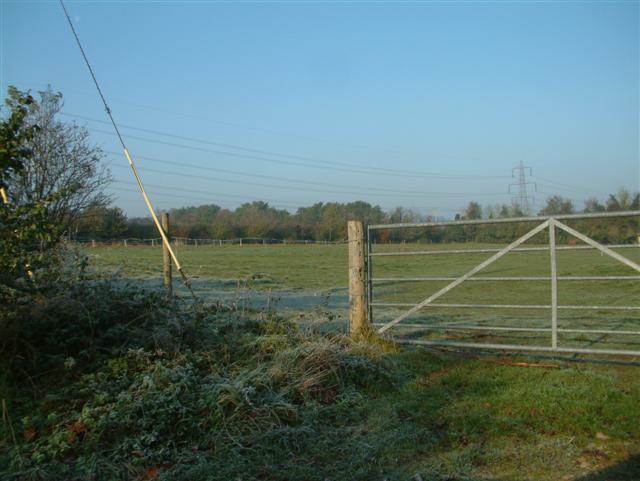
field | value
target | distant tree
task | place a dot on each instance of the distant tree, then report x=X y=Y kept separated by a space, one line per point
x=100 y=222
x=63 y=163
x=515 y=211
x=202 y=214
x=593 y=205
x=224 y=226
x=402 y=215
x=557 y=205
x=491 y=211
x=306 y=221
x=333 y=223
x=503 y=211
x=258 y=219
x=623 y=200
x=473 y=211
x=367 y=213
x=198 y=231
x=141 y=228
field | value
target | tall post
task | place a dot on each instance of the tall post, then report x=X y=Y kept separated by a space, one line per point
x=166 y=256
x=357 y=298
x=369 y=251
x=554 y=284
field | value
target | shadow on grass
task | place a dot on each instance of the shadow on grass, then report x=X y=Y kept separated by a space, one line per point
x=627 y=470
x=457 y=414
x=572 y=358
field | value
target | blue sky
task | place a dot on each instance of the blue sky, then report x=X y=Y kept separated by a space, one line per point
x=407 y=90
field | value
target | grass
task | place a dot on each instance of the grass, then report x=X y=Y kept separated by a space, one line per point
x=143 y=390
x=301 y=277
x=324 y=266
x=479 y=419
x=274 y=266
x=268 y=401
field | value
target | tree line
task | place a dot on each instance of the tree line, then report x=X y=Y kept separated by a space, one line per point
x=327 y=221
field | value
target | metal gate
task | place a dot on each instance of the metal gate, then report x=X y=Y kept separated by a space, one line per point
x=621 y=325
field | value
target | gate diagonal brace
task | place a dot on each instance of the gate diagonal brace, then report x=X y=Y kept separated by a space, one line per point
x=597 y=245
x=466 y=276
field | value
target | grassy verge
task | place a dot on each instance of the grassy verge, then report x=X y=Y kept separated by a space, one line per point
x=106 y=381
x=269 y=401
x=482 y=419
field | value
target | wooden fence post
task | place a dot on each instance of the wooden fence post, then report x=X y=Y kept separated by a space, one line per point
x=166 y=256
x=357 y=302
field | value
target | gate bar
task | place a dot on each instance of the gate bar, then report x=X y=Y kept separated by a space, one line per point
x=463 y=278
x=517 y=347
x=510 y=306
x=597 y=245
x=554 y=284
x=446 y=327
x=597 y=215
x=369 y=278
x=516 y=278
x=482 y=251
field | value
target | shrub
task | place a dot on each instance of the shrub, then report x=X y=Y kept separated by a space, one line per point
x=138 y=386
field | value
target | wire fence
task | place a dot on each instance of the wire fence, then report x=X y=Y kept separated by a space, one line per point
x=188 y=241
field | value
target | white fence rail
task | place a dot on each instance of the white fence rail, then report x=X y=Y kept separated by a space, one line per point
x=188 y=241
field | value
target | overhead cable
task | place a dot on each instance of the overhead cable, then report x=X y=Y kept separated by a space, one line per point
x=165 y=239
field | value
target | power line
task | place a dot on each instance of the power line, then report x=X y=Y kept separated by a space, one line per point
x=172 y=195
x=566 y=186
x=271 y=202
x=246 y=156
x=361 y=168
x=217 y=194
x=93 y=76
x=126 y=152
x=302 y=189
x=386 y=171
x=298 y=181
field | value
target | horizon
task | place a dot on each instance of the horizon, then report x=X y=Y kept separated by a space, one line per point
x=296 y=104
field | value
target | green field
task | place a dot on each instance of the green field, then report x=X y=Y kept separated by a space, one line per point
x=277 y=266
x=302 y=277
x=325 y=266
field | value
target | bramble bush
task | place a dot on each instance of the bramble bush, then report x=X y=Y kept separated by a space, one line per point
x=110 y=381
x=104 y=380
